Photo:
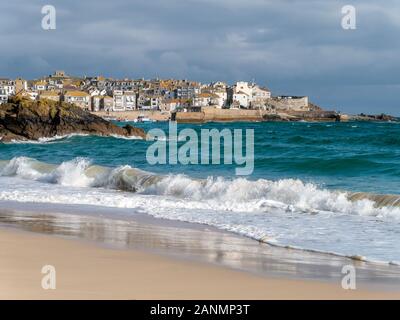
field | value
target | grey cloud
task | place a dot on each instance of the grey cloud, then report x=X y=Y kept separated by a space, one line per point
x=292 y=46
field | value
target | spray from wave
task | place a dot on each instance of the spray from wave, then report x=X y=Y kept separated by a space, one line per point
x=236 y=195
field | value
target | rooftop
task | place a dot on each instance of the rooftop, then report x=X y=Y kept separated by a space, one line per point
x=76 y=94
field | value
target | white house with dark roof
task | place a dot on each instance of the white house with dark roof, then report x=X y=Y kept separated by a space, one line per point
x=79 y=98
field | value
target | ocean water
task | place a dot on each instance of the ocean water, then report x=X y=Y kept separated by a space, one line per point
x=329 y=187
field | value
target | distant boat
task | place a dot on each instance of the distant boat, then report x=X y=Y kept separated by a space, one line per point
x=142 y=118
x=123 y=120
x=110 y=118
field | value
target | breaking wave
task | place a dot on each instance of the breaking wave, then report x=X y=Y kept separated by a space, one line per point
x=57 y=138
x=47 y=139
x=216 y=193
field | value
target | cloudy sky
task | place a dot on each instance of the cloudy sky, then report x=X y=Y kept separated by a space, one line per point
x=295 y=47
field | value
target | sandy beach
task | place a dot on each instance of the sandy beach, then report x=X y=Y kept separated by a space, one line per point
x=88 y=271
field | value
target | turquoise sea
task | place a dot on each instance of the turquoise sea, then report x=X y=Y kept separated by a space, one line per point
x=301 y=193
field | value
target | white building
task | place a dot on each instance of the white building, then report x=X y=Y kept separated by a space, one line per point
x=260 y=93
x=129 y=100
x=118 y=96
x=244 y=87
x=248 y=95
x=260 y=97
x=79 y=98
x=219 y=94
x=221 y=98
x=242 y=99
x=124 y=100
x=3 y=96
x=205 y=99
x=96 y=103
x=170 y=104
x=40 y=85
x=7 y=88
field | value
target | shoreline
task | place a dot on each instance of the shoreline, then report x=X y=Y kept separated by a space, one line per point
x=87 y=271
x=210 y=114
x=188 y=247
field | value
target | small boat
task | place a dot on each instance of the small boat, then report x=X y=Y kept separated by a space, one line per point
x=110 y=118
x=142 y=118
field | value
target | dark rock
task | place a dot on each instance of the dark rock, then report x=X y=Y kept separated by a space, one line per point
x=22 y=119
x=373 y=117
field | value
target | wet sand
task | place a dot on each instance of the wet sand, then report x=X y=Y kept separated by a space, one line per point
x=147 y=258
x=86 y=271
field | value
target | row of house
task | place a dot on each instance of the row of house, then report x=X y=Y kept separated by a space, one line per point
x=105 y=94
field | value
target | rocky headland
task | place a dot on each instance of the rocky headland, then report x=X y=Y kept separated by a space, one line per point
x=23 y=119
x=374 y=117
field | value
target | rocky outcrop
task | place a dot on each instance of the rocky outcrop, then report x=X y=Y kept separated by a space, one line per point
x=22 y=119
x=373 y=117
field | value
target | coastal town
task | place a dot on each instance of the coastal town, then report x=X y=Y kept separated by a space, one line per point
x=167 y=99
x=160 y=99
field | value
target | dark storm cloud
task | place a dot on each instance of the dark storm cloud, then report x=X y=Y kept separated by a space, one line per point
x=295 y=47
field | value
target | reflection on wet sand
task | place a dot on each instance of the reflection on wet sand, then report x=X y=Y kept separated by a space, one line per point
x=202 y=244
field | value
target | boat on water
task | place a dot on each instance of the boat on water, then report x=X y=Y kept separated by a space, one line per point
x=142 y=118
x=122 y=119
x=110 y=118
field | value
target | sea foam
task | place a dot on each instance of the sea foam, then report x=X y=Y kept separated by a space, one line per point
x=217 y=193
x=286 y=212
